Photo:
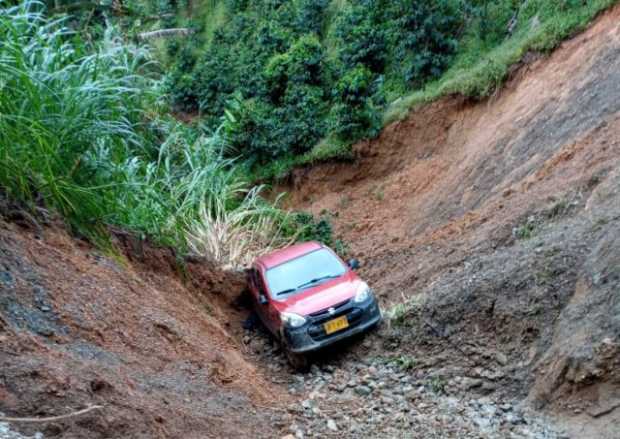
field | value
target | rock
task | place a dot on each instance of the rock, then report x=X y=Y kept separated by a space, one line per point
x=288 y=436
x=7 y=279
x=331 y=425
x=501 y=358
x=488 y=386
x=307 y=404
x=506 y=407
x=329 y=368
x=363 y=390
x=514 y=418
x=467 y=383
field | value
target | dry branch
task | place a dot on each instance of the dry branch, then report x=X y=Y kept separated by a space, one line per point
x=165 y=33
x=52 y=418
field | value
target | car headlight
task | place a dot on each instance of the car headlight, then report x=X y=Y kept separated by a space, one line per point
x=292 y=320
x=363 y=293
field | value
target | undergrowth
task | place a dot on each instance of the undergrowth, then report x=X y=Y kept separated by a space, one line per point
x=298 y=82
x=84 y=133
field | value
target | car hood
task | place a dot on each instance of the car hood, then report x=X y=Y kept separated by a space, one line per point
x=322 y=296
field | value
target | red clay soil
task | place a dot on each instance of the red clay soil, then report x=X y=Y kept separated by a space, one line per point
x=505 y=214
x=458 y=168
x=138 y=335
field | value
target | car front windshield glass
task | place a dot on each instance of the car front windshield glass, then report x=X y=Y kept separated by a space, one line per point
x=305 y=271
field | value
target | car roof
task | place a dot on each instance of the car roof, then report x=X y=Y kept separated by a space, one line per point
x=286 y=254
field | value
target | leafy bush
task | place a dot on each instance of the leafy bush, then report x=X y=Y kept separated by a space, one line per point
x=354 y=115
x=425 y=36
x=276 y=55
x=361 y=36
x=307 y=228
x=300 y=74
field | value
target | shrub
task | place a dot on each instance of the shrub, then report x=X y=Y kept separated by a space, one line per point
x=312 y=15
x=305 y=227
x=354 y=116
x=361 y=37
x=425 y=36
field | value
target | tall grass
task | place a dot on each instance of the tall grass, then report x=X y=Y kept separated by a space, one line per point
x=82 y=134
x=233 y=238
x=57 y=103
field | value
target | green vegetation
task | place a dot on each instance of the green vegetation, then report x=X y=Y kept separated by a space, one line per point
x=437 y=385
x=83 y=132
x=483 y=63
x=85 y=129
x=299 y=81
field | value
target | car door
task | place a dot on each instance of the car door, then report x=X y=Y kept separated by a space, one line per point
x=265 y=310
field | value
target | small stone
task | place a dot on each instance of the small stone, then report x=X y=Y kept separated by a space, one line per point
x=515 y=419
x=363 y=390
x=331 y=424
x=501 y=358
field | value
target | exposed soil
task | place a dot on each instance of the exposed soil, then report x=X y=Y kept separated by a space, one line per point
x=496 y=223
x=501 y=220
x=79 y=328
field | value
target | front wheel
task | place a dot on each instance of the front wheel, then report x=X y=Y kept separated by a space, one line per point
x=297 y=361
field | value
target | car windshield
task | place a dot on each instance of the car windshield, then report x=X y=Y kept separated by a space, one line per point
x=305 y=271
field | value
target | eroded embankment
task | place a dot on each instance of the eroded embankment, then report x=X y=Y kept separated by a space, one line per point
x=144 y=336
x=502 y=218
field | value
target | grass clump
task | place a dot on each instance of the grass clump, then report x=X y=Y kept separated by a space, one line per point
x=83 y=133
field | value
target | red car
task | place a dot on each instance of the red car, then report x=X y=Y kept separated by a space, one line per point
x=309 y=298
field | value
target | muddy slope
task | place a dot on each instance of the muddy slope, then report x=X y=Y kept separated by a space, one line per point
x=502 y=219
x=138 y=335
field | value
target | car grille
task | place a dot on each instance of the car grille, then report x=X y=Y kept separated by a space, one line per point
x=316 y=329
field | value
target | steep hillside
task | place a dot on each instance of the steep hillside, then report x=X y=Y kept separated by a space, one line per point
x=489 y=230
x=497 y=224
x=137 y=336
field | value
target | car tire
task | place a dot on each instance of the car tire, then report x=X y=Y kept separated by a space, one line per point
x=298 y=362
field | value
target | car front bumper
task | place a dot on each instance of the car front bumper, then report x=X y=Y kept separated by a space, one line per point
x=312 y=337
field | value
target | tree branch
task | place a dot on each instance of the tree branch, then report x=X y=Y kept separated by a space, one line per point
x=52 y=418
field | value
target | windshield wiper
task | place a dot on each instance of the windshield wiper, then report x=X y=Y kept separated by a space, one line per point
x=317 y=279
x=290 y=290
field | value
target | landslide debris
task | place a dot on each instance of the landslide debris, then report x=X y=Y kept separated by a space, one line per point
x=490 y=229
x=140 y=334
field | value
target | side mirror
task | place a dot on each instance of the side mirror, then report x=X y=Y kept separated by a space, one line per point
x=354 y=264
x=262 y=299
